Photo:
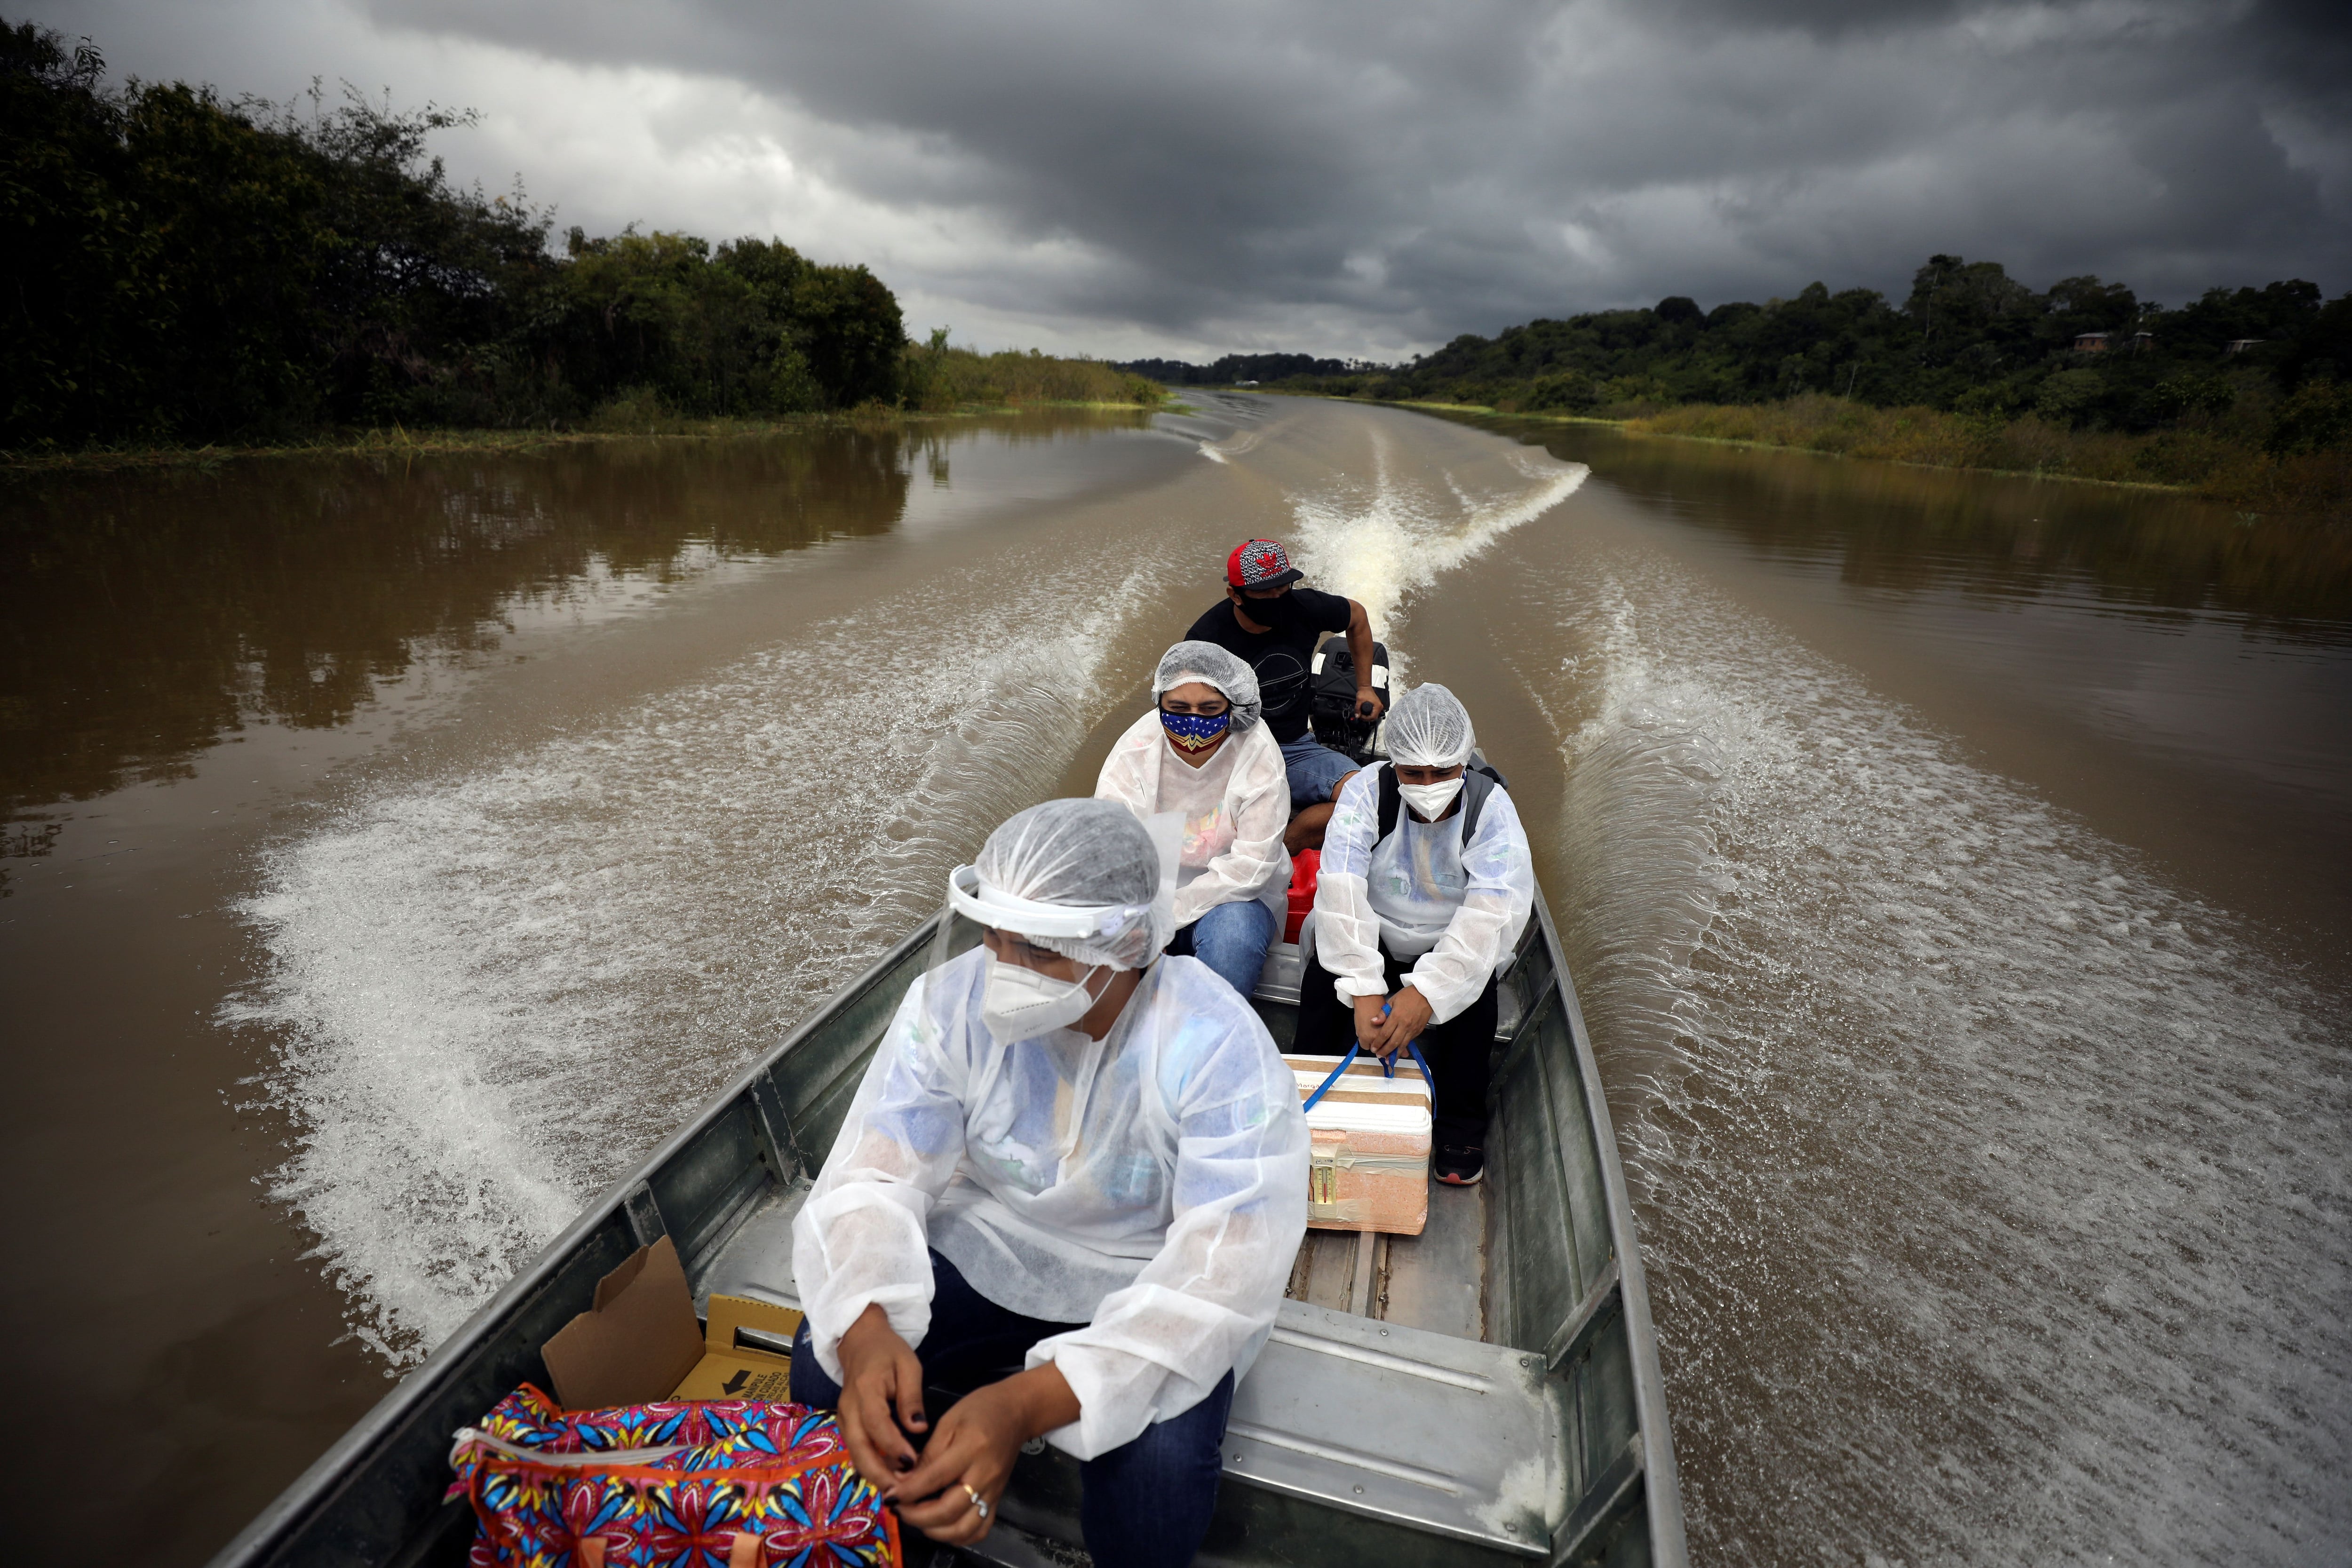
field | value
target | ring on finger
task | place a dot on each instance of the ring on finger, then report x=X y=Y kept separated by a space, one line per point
x=978 y=1502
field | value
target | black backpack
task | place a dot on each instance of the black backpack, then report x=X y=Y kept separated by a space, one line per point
x=1478 y=780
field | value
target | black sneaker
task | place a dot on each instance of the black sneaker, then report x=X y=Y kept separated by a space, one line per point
x=1460 y=1165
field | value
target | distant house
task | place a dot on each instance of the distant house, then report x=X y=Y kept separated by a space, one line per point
x=2142 y=341
x=2090 y=343
x=2240 y=345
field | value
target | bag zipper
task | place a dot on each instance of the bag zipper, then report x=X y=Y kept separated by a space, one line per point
x=542 y=1456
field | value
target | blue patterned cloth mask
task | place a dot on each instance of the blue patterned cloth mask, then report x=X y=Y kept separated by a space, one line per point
x=1194 y=731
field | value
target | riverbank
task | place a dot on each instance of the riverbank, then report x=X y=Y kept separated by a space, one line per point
x=623 y=419
x=2207 y=459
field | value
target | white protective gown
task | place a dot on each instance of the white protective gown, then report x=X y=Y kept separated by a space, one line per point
x=1459 y=912
x=1151 y=1185
x=1234 y=806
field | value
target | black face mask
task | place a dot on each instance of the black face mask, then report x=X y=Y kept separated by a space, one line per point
x=1274 y=614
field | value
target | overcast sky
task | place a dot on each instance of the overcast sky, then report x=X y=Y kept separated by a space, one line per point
x=1358 y=177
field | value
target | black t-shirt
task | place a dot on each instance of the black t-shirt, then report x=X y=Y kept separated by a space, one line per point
x=1282 y=656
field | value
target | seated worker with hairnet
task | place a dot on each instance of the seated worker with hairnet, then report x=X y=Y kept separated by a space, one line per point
x=1204 y=755
x=1069 y=1155
x=1426 y=885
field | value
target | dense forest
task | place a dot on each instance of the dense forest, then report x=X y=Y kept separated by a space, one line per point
x=1239 y=370
x=183 y=268
x=1969 y=340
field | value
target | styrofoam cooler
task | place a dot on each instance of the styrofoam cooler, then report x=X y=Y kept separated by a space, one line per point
x=1369 y=1168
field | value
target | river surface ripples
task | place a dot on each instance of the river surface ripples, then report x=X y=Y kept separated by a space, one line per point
x=1954 y=869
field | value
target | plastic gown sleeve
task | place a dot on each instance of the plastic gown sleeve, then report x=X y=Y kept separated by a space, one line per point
x=861 y=1238
x=1257 y=798
x=1347 y=932
x=1495 y=908
x=1205 y=1303
x=1496 y=903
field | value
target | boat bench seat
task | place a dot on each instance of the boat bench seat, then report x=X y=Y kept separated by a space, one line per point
x=1447 y=1435
x=1397 y=1424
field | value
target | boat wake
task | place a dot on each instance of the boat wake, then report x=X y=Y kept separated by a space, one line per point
x=492 y=993
x=1991 y=1188
x=1383 y=542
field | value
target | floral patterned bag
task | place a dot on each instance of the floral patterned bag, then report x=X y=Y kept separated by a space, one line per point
x=708 y=1484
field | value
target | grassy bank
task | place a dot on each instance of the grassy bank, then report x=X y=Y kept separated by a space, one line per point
x=632 y=415
x=935 y=382
x=935 y=377
x=2222 y=458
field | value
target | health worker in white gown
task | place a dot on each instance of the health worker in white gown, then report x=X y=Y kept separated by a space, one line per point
x=1203 y=754
x=1425 y=886
x=1073 y=1161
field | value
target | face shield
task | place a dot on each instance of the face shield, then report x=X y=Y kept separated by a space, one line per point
x=1084 y=880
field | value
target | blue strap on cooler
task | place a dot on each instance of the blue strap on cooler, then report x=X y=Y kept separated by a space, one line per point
x=1325 y=1087
x=1388 y=1063
x=1388 y=1068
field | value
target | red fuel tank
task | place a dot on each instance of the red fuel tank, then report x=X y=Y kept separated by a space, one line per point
x=1304 y=867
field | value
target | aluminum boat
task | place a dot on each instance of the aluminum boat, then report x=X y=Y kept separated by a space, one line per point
x=1486 y=1392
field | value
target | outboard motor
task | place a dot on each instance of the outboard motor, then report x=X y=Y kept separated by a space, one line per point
x=1331 y=698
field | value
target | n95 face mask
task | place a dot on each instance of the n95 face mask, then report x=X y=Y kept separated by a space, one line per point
x=1021 y=1004
x=1430 y=800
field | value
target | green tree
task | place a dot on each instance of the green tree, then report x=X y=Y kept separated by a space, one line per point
x=185 y=268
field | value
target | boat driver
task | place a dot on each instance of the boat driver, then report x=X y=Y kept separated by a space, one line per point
x=1425 y=886
x=1072 y=1182
x=1275 y=629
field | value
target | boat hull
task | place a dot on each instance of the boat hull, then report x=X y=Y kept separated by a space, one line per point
x=1564 y=1364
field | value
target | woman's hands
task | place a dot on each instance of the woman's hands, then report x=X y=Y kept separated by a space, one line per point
x=881 y=1393
x=1408 y=1016
x=1386 y=1025
x=974 y=1445
x=971 y=1454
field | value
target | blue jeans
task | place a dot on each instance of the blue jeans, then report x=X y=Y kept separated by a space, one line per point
x=1315 y=770
x=1146 y=1503
x=1230 y=938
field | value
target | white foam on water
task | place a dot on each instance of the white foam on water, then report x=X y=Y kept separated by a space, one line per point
x=1994 y=1194
x=492 y=993
x=1378 y=543
x=1226 y=449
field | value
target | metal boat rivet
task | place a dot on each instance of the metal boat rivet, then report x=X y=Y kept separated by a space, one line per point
x=1512 y=1528
x=1384 y=1334
x=1359 y=1492
x=1527 y=1360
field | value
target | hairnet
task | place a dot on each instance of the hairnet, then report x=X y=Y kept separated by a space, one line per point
x=1093 y=856
x=1429 y=728
x=1212 y=665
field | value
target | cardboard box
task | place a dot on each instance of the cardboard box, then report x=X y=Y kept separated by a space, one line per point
x=639 y=1342
x=747 y=1353
x=1368 y=1167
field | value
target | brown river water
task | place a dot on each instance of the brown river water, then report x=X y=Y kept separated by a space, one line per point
x=1957 y=871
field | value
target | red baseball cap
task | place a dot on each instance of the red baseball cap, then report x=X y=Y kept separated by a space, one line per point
x=1260 y=564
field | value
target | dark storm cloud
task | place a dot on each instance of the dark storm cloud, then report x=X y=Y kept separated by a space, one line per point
x=1424 y=169
x=1376 y=175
